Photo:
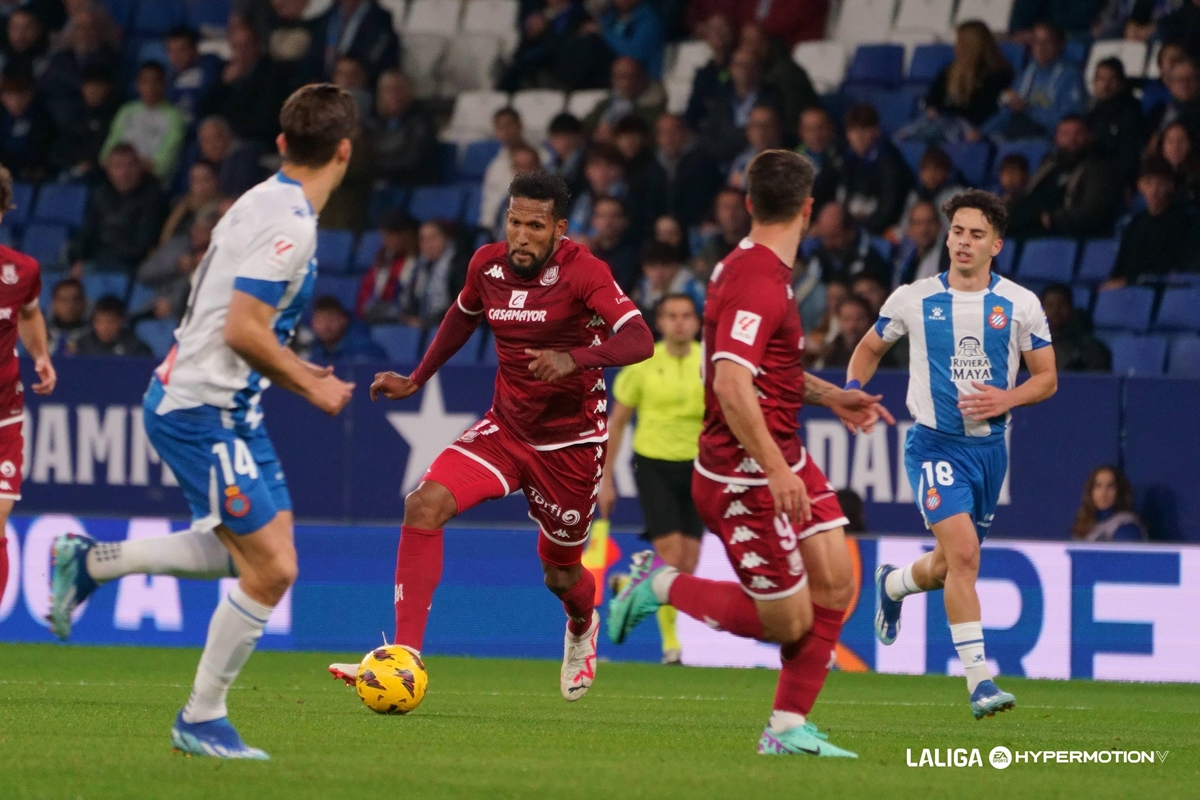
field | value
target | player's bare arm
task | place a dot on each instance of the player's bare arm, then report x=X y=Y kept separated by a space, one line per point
x=31 y=327
x=619 y=417
x=866 y=357
x=248 y=332
x=857 y=410
x=733 y=385
x=992 y=401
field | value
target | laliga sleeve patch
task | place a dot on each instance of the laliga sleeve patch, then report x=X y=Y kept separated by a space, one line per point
x=745 y=326
x=282 y=248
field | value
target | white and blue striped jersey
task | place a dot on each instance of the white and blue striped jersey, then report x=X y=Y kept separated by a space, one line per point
x=264 y=246
x=956 y=338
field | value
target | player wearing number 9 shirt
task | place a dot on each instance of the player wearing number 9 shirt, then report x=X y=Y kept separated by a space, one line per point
x=754 y=485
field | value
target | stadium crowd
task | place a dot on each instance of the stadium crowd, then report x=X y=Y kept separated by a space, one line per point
x=133 y=125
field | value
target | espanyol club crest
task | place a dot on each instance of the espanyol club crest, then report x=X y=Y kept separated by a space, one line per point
x=236 y=503
x=932 y=499
x=997 y=319
x=550 y=275
x=8 y=274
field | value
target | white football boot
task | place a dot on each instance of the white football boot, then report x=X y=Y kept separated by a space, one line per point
x=579 y=661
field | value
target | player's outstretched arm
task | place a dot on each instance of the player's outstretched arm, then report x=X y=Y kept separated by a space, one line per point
x=865 y=360
x=992 y=401
x=857 y=410
x=248 y=333
x=31 y=327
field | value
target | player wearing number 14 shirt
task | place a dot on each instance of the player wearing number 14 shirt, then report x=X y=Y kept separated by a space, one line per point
x=551 y=306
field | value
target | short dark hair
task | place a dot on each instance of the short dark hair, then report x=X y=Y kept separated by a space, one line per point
x=1154 y=166
x=862 y=115
x=96 y=74
x=154 y=66
x=206 y=164
x=618 y=202
x=662 y=302
x=67 y=283
x=604 y=152
x=184 y=32
x=988 y=204
x=871 y=277
x=1061 y=289
x=18 y=82
x=1115 y=64
x=109 y=304
x=656 y=252
x=632 y=123
x=1073 y=117
x=778 y=182
x=6 y=190
x=328 y=302
x=543 y=186
x=858 y=300
x=124 y=149
x=565 y=123
x=1055 y=30
x=507 y=111
x=315 y=120
x=1018 y=160
x=936 y=157
x=397 y=220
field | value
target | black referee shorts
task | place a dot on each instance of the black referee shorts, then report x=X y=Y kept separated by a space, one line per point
x=665 y=492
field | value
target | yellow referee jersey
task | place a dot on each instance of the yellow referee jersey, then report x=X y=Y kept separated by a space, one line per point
x=668 y=396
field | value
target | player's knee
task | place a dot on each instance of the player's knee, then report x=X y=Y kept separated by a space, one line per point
x=559 y=580
x=424 y=508
x=269 y=581
x=786 y=629
x=962 y=560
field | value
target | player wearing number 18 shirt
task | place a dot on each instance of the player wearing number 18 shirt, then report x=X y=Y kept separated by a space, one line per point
x=754 y=485
x=551 y=306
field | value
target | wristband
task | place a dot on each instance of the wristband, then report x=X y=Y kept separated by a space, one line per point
x=853 y=384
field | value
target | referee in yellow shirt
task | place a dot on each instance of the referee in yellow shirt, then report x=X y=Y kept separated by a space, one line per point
x=668 y=396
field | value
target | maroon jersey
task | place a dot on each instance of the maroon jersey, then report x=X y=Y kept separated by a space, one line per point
x=751 y=318
x=20 y=286
x=573 y=302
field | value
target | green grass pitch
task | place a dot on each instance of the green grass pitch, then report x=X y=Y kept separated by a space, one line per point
x=90 y=722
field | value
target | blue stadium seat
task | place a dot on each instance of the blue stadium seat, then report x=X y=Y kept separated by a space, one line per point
x=384 y=199
x=1126 y=309
x=1077 y=50
x=335 y=249
x=472 y=201
x=157 y=17
x=1081 y=297
x=344 y=288
x=876 y=65
x=1048 y=260
x=447 y=161
x=46 y=243
x=140 y=298
x=469 y=354
x=364 y=255
x=1179 y=311
x=22 y=209
x=6 y=236
x=1016 y=54
x=1139 y=356
x=153 y=50
x=1005 y=263
x=64 y=203
x=912 y=152
x=208 y=13
x=49 y=281
x=400 y=342
x=1034 y=151
x=927 y=61
x=476 y=157
x=101 y=284
x=882 y=246
x=121 y=11
x=1185 y=358
x=1096 y=263
x=436 y=202
x=971 y=159
x=158 y=334
x=896 y=109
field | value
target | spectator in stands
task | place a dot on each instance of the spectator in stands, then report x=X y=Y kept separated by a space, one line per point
x=67 y=321
x=337 y=338
x=922 y=254
x=295 y=45
x=871 y=289
x=763 y=132
x=437 y=277
x=236 y=162
x=191 y=74
x=825 y=328
x=1075 y=349
x=663 y=273
x=934 y=184
x=633 y=28
x=792 y=21
x=203 y=194
x=604 y=172
x=362 y=30
x=845 y=250
x=507 y=129
x=556 y=50
x=1075 y=191
x=395 y=259
x=632 y=137
x=818 y=141
x=1024 y=216
x=1175 y=145
x=350 y=74
x=1183 y=82
x=854 y=320
x=1152 y=244
x=24 y=51
x=732 y=225
x=123 y=219
x=1155 y=92
x=611 y=243
x=250 y=91
x=567 y=141
x=632 y=93
x=170 y=268
x=1050 y=88
x=75 y=153
x=108 y=335
x=403 y=133
x=1106 y=511
x=1072 y=17
x=86 y=49
x=722 y=125
x=152 y=125
x=26 y=130
x=1115 y=118
x=1183 y=25
x=710 y=79
x=876 y=180
x=669 y=231
x=524 y=160
x=781 y=73
x=966 y=93
x=683 y=178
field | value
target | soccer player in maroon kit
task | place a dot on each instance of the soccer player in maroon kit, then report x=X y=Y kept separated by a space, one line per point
x=754 y=484
x=550 y=304
x=20 y=288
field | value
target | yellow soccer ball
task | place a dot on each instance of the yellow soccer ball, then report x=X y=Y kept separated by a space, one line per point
x=391 y=680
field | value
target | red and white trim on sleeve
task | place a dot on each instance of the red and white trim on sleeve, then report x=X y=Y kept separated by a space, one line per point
x=735 y=358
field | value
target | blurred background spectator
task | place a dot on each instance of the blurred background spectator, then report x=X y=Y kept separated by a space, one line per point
x=123 y=219
x=966 y=92
x=1153 y=242
x=1106 y=512
x=1075 y=348
x=338 y=338
x=108 y=335
x=1050 y=88
x=67 y=320
x=1075 y=190
x=153 y=126
x=875 y=180
x=392 y=264
x=663 y=273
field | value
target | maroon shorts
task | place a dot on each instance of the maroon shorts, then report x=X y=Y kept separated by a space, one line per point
x=12 y=457
x=489 y=461
x=762 y=547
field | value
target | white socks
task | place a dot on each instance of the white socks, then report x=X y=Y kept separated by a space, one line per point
x=661 y=584
x=188 y=554
x=968 y=641
x=234 y=630
x=899 y=583
x=785 y=720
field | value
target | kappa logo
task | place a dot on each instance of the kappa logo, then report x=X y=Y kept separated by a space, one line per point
x=8 y=274
x=997 y=318
x=736 y=509
x=597 y=321
x=761 y=582
x=752 y=560
x=519 y=296
x=599 y=386
x=742 y=534
x=596 y=341
x=748 y=465
x=495 y=271
x=560 y=533
x=6 y=486
x=735 y=488
x=601 y=407
x=550 y=275
x=745 y=326
x=399 y=593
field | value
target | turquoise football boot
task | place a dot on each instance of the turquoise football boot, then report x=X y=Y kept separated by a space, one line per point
x=636 y=601
x=70 y=583
x=988 y=700
x=804 y=739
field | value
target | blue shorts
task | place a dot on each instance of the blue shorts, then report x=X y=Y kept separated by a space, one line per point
x=225 y=465
x=953 y=474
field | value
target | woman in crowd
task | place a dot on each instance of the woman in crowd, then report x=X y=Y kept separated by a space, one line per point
x=1106 y=513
